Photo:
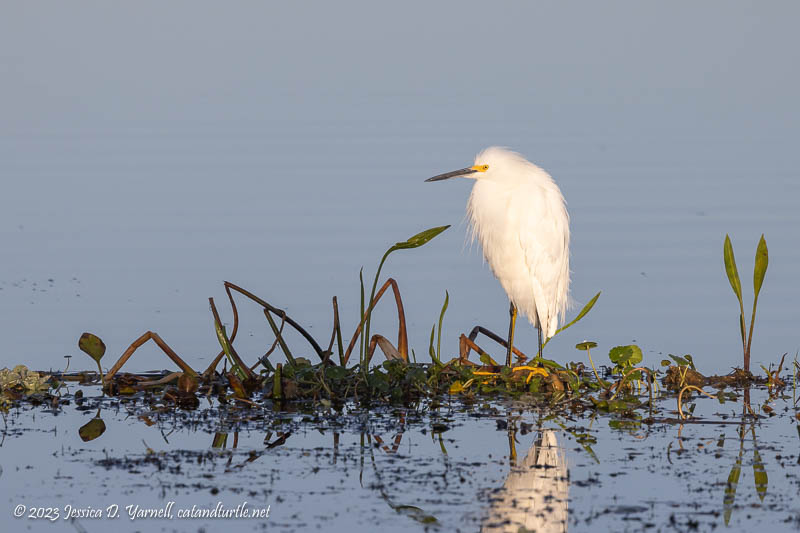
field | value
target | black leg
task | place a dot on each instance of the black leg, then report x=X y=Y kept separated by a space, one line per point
x=540 y=339
x=512 y=311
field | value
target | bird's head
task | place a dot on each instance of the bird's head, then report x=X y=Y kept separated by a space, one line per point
x=488 y=164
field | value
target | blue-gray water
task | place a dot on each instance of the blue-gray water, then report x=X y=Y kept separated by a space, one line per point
x=352 y=469
x=137 y=227
x=150 y=151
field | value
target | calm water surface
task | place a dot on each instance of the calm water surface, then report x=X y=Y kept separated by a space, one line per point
x=491 y=466
x=123 y=230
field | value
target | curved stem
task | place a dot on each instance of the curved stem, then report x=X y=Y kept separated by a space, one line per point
x=628 y=373
x=680 y=398
x=402 y=334
x=369 y=303
x=600 y=381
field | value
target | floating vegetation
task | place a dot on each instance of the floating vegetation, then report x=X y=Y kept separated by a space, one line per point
x=20 y=379
x=331 y=381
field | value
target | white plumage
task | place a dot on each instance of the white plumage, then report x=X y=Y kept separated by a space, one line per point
x=520 y=218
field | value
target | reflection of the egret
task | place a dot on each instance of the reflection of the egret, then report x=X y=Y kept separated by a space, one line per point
x=534 y=495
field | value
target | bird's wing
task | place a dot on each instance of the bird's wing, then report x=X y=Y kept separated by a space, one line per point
x=544 y=239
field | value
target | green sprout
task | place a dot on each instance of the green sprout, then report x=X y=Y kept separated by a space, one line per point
x=416 y=241
x=759 y=271
x=583 y=313
x=436 y=356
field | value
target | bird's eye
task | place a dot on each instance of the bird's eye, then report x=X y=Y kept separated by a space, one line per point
x=485 y=168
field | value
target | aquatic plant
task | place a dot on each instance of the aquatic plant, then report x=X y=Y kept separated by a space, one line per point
x=626 y=358
x=583 y=313
x=92 y=346
x=396 y=379
x=23 y=379
x=760 y=477
x=420 y=239
x=436 y=356
x=586 y=346
x=759 y=271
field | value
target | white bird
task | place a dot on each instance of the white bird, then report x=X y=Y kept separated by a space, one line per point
x=519 y=215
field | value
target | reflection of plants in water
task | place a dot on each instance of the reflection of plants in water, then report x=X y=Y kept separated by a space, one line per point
x=795 y=368
x=415 y=513
x=759 y=472
x=512 y=440
x=680 y=398
x=5 y=428
x=760 y=477
x=733 y=481
x=93 y=428
x=581 y=435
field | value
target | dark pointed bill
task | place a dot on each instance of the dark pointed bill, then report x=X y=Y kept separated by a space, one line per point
x=453 y=174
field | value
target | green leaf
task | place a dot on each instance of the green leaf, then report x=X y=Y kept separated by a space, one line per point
x=680 y=360
x=361 y=317
x=413 y=242
x=760 y=270
x=585 y=345
x=431 y=350
x=625 y=355
x=225 y=343
x=279 y=338
x=549 y=363
x=92 y=345
x=486 y=359
x=584 y=311
x=666 y=362
x=439 y=334
x=731 y=270
x=419 y=239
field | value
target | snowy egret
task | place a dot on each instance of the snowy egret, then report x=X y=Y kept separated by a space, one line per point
x=519 y=216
